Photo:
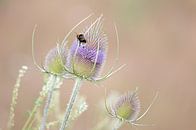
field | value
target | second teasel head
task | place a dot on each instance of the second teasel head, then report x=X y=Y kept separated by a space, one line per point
x=55 y=61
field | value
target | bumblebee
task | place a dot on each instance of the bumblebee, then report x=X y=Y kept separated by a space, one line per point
x=81 y=38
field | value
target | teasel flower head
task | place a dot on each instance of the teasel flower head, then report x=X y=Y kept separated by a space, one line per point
x=55 y=60
x=126 y=108
x=86 y=59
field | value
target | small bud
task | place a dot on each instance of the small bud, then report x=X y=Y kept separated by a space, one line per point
x=55 y=61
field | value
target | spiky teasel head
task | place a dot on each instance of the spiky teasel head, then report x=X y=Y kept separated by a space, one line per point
x=126 y=107
x=87 y=59
x=55 y=60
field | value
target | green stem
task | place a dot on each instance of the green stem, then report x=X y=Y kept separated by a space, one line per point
x=73 y=97
x=39 y=101
x=117 y=124
x=51 y=86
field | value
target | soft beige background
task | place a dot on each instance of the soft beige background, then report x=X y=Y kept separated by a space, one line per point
x=158 y=44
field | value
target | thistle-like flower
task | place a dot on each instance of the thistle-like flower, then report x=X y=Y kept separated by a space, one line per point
x=55 y=61
x=127 y=109
x=87 y=59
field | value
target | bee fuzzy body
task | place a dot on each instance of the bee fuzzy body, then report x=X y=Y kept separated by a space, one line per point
x=81 y=39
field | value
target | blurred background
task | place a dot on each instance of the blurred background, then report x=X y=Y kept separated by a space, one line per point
x=157 y=42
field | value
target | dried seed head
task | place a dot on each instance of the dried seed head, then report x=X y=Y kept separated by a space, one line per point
x=127 y=107
x=55 y=60
x=87 y=59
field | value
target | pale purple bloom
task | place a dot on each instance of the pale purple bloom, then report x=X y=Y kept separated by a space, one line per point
x=127 y=107
x=55 y=60
x=87 y=59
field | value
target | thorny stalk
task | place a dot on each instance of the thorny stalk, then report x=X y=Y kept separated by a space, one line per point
x=52 y=82
x=73 y=97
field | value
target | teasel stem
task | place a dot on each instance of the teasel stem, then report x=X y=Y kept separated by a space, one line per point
x=70 y=104
x=52 y=82
x=117 y=124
